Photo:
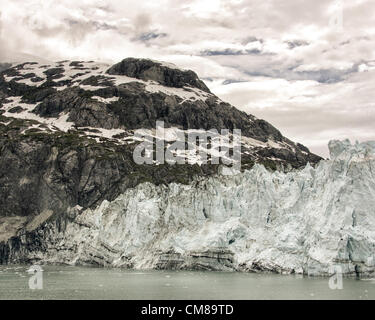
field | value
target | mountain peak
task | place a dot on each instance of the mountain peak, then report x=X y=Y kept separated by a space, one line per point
x=164 y=73
x=104 y=103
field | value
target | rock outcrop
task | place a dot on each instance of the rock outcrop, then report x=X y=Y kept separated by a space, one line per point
x=165 y=74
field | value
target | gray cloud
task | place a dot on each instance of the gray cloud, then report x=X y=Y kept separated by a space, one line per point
x=229 y=52
x=147 y=36
x=270 y=65
x=296 y=43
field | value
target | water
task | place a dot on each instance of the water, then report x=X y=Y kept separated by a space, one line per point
x=66 y=282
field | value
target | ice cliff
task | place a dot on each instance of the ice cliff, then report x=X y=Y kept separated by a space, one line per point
x=304 y=221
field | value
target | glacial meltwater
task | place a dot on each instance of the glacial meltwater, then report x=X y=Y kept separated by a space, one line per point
x=68 y=282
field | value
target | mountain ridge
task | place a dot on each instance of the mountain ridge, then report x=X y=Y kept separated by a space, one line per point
x=67 y=135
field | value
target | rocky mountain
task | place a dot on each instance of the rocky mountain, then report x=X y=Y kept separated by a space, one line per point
x=67 y=140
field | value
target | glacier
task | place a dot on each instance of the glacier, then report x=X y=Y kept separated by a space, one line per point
x=302 y=221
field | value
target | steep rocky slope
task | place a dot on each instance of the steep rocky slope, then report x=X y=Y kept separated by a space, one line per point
x=67 y=131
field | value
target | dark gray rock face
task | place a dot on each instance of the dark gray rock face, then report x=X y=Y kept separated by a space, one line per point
x=40 y=172
x=145 y=69
x=45 y=170
x=137 y=107
x=83 y=110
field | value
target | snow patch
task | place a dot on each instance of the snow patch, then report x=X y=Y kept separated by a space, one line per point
x=105 y=100
x=61 y=122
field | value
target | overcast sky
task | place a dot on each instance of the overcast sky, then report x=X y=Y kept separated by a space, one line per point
x=308 y=67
